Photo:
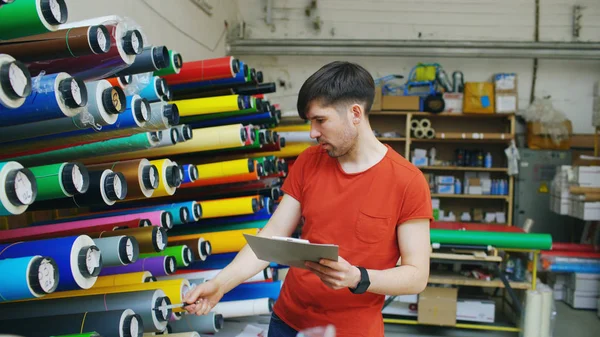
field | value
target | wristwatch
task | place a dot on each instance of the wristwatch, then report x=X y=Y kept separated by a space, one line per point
x=364 y=282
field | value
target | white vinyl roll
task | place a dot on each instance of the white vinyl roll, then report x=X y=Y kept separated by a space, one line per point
x=95 y=107
x=232 y=309
x=414 y=124
x=532 y=319
x=297 y=137
x=429 y=133
x=425 y=123
x=419 y=133
x=547 y=298
x=210 y=274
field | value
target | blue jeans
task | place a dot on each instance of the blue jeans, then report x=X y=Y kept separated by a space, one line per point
x=278 y=328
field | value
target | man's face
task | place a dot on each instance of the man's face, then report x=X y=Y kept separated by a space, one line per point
x=333 y=129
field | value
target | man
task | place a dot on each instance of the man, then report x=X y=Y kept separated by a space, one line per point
x=353 y=191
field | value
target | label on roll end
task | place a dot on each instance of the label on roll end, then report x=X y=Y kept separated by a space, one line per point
x=76 y=92
x=159 y=240
x=102 y=42
x=23 y=188
x=55 y=8
x=46 y=275
x=135 y=42
x=118 y=187
x=77 y=178
x=18 y=79
x=92 y=260
x=129 y=249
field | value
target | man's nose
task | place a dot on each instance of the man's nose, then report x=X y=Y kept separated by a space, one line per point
x=314 y=133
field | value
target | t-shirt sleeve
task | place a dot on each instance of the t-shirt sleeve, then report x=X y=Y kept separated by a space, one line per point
x=416 y=203
x=294 y=182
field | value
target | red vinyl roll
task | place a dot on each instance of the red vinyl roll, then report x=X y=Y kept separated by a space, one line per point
x=587 y=255
x=475 y=227
x=205 y=70
x=60 y=230
x=573 y=247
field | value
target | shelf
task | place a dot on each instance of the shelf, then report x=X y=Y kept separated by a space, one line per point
x=475 y=326
x=461 y=140
x=461 y=168
x=470 y=196
x=460 y=280
x=443 y=114
x=464 y=257
x=391 y=139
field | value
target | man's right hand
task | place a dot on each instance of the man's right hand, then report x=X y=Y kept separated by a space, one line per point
x=207 y=295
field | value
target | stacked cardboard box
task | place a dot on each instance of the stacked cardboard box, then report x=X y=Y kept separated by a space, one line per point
x=583 y=290
x=558 y=283
x=560 y=197
x=562 y=201
x=505 y=87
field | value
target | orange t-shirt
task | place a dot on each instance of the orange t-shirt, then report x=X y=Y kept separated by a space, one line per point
x=360 y=213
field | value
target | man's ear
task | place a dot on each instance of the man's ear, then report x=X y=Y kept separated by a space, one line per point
x=357 y=113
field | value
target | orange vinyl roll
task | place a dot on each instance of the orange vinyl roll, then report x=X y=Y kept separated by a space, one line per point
x=123 y=279
x=118 y=82
x=221 y=242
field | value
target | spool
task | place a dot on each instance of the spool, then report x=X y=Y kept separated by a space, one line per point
x=185 y=131
x=429 y=133
x=163 y=116
x=155 y=90
x=27 y=277
x=151 y=58
x=25 y=18
x=171 y=137
x=174 y=65
x=170 y=177
x=424 y=123
x=210 y=323
x=118 y=250
x=19 y=188
x=255 y=307
x=419 y=133
x=78 y=260
x=157 y=266
x=57 y=181
x=141 y=176
x=190 y=173
x=248 y=291
x=15 y=83
x=150 y=239
x=182 y=253
x=106 y=102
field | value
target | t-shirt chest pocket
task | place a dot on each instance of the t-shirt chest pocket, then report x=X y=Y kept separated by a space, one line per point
x=371 y=227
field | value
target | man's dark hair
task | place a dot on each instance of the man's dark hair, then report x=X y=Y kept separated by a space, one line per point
x=337 y=83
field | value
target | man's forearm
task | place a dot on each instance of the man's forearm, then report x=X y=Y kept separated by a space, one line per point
x=244 y=266
x=402 y=280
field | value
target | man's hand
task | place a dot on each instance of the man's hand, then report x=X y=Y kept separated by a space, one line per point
x=203 y=298
x=335 y=275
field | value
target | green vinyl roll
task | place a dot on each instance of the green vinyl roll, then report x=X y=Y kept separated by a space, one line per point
x=51 y=184
x=496 y=239
x=174 y=57
x=183 y=255
x=186 y=230
x=27 y=17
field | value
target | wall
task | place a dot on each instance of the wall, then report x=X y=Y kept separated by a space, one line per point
x=178 y=24
x=495 y=20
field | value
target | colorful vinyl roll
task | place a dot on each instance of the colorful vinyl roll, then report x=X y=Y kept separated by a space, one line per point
x=157 y=266
x=204 y=70
x=263 y=275
x=157 y=218
x=27 y=277
x=63 y=180
x=125 y=45
x=78 y=260
x=31 y=17
x=244 y=308
x=151 y=239
x=199 y=228
x=190 y=173
x=15 y=83
x=124 y=279
x=170 y=177
x=256 y=89
x=155 y=90
x=108 y=147
x=216 y=261
x=239 y=78
x=105 y=102
x=185 y=131
x=253 y=175
x=18 y=188
x=142 y=302
x=209 y=105
x=201 y=248
x=174 y=65
x=163 y=116
x=118 y=250
x=297 y=137
x=496 y=239
x=225 y=168
x=63 y=43
x=198 y=118
x=263 y=214
x=170 y=137
x=256 y=119
x=229 y=207
x=210 y=323
x=183 y=255
x=151 y=59
x=49 y=231
x=106 y=323
x=142 y=177
x=121 y=81
x=221 y=242
x=250 y=291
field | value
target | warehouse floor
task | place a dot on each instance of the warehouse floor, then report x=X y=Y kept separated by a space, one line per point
x=570 y=322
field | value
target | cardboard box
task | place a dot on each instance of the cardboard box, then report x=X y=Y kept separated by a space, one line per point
x=420 y=161
x=506 y=103
x=437 y=306
x=538 y=137
x=377 y=100
x=445 y=189
x=588 y=283
x=505 y=83
x=475 y=311
x=581 y=300
x=475 y=190
x=447 y=180
x=453 y=102
x=403 y=103
x=479 y=98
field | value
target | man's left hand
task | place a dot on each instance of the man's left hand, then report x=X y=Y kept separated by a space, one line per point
x=335 y=275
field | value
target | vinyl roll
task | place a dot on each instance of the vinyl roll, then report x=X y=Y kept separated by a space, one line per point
x=142 y=302
x=182 y=334
x=174 y=65
x=93 y=220
x=209 y=105
x=141 y=176
x=210 y=323
x=123 y=280
x=155 y=90
x=199 y=246
x=190 y=173
x=204 y=70
x=229 y=207
x=163 y=116
x=151 y=58
x=546 y=313
x=419 y=133
x=64 y=43
x=199 y=228
x=15 y=83
x=225 y=168
x=54 y=96
x=254 y=108
x=121 y=81
x=27 y=277
x=185 y=131
x=425 y=123
x=182 y=212
x=62 y=180
x=496 y=239
x=157 y=266
x=298 y=137
x=250 y=291
x=31 y=17
x=255 y=307
x=263 y=275
x=238 y=79
x=429 y=133
x=150 y=239
x=105 y=102
x=19 y=188
x=118 y=250
x=106 y=323
x=171 y=137
x=253 y=175
x=249 y=119
x=170 y=177
x=78 y=260
x=533 y=309
x=221 y=242
x=183 y=255
x=262 y=215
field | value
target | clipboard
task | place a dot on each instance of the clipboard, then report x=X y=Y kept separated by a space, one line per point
x=289 y=251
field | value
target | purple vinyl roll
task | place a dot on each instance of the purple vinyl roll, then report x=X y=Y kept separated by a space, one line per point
x=157 y=266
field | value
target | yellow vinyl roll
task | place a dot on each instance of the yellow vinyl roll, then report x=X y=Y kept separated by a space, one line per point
x=208 y=105
x=174 y=289
x=163 y=188
x=291 y=128
x=221 y=242
x=122 y=279
x=222 y=169
x=228 y=207
x=289 y=151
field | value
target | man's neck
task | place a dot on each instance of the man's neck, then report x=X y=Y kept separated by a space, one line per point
x=367 y=152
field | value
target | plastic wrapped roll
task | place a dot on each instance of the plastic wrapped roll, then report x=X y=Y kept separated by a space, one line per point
x=151 y=59
x=414 y=124
x=419 y=133
x=15 y=83
x=233 y=309
x=424 y=123
x=429 y=133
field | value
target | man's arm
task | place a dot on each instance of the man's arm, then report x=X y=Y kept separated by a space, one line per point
x=409 y=278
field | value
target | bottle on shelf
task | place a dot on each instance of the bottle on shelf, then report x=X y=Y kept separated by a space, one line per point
x=457 y=186
x=488 y=160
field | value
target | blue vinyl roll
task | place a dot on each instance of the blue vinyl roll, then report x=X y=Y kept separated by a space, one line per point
x=126 y=119
x=42 y=104
x=65 y=252
x=15 y=281
x=150 y=92
x=239 y=78
x=216 y=261
x=575 y=268
x=250 y=291
x=241 y=119
x=187 y=174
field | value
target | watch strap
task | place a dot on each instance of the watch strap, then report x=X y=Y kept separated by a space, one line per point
x=364 y=282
